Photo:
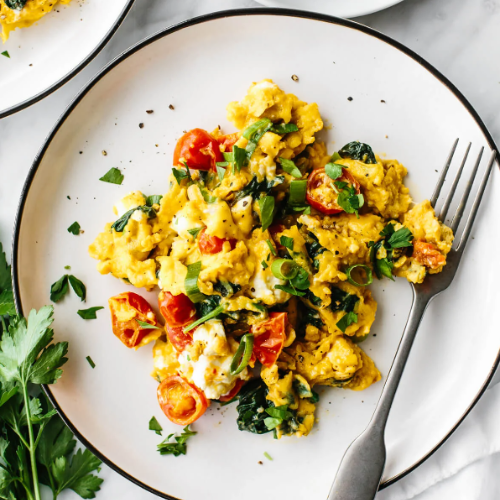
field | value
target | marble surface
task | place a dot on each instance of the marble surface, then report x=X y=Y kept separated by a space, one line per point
x=459 y=37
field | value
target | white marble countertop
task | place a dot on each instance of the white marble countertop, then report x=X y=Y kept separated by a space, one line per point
x=459 y=37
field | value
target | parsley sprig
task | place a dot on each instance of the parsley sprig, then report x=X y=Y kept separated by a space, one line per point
x=35 y=445
x=178 y=445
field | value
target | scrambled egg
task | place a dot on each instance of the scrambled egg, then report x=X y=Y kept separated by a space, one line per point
x=30 y=13
x=380 y=233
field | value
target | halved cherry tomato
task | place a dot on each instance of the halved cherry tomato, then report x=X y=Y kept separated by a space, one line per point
x=428 y=255
x=227 y=141
x=212 y=244
x=126 y=309
x=199 y=149
x=270 y=335
x=320 y=193
x=178 y=338
x=178 y=310
x=182 y=402
x=233 y=392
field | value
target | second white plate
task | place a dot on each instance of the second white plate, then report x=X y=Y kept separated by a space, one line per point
x=368 y=88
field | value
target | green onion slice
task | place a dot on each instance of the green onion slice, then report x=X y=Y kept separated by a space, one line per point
x=221 y=172
x=256 y=127
x=271 y=247
x=212 y=314
x=242 y=355
x=366 y=269
x=284 y=269
x=297 y=193
x=228 y=157
x=191 y=283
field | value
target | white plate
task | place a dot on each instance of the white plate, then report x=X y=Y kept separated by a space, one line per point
x=339 y=8
x=51 y=52
x=401 y=106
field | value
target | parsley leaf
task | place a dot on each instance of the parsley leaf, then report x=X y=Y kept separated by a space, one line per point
x=401 y=238
x=74 y=228
x=266 y=205
x=333 y=170
x=290 y=167
x=6 y=54
x=178 y=446
x=59 y=289
x=113 y=176
x=155 y=426
x=78 y=287
x=347 y=320
x=287 y=242
x=154 y=199
x=277 y=415
x=194 y=231
x=89 y=313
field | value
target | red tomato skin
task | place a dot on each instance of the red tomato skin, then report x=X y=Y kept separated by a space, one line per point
x=178 y=310
x=130 y=332
x=233 y=392
x=228 y=141
x=267 y=346
x=199 y=149
x=428 y=255
x=178 y=338
x=212 y=244
x=190 y=393
x=315 y=179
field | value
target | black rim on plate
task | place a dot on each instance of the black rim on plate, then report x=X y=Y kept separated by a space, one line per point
x=65 y=79
x=161 y=34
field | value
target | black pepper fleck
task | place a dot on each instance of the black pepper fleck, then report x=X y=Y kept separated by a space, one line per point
x=382 y=101
x=149 y=111
x=171 y=106
x=260 y=462
x=141 y=125
x=349 y=98
x=295 y=78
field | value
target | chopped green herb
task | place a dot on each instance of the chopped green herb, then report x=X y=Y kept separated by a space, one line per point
x=347 y=320
x=91 y=362
x=113 y=176
x=74 y=228
x=78 y=287
x=266 y=454
x=348 y=199
x=154 y=199
x=67 y=267
x=290 y=167
x=155 y=426
x=89 y=313
x=147 y=326
x=266 y=205
x=178 y=446
x=335 y=157
x=120 y=224
x=287 y=242
x=194 y=231
x=59 y=289
x=180 y=175
x=256 y=127
x=240 y=157
x=277 y=414
x=6 y=54
x=264 y=264
x=333 y=170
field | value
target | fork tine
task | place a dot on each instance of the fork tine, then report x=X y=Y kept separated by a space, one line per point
x=477 y=202
x=440 y=183
x=449 y=198
x=463 y=202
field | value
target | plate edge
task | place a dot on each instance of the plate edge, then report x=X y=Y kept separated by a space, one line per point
x=79 y=67
x=161 y=34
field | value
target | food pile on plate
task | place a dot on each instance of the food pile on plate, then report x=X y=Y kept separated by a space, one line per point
x=262 y=250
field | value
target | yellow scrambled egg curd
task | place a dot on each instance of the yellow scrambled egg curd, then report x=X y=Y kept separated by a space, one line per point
x=277 y=272
x=22 y=14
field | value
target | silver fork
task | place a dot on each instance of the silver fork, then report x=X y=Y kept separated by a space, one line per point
x=360 y=471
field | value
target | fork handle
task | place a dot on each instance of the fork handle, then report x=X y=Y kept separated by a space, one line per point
x=362 y=466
